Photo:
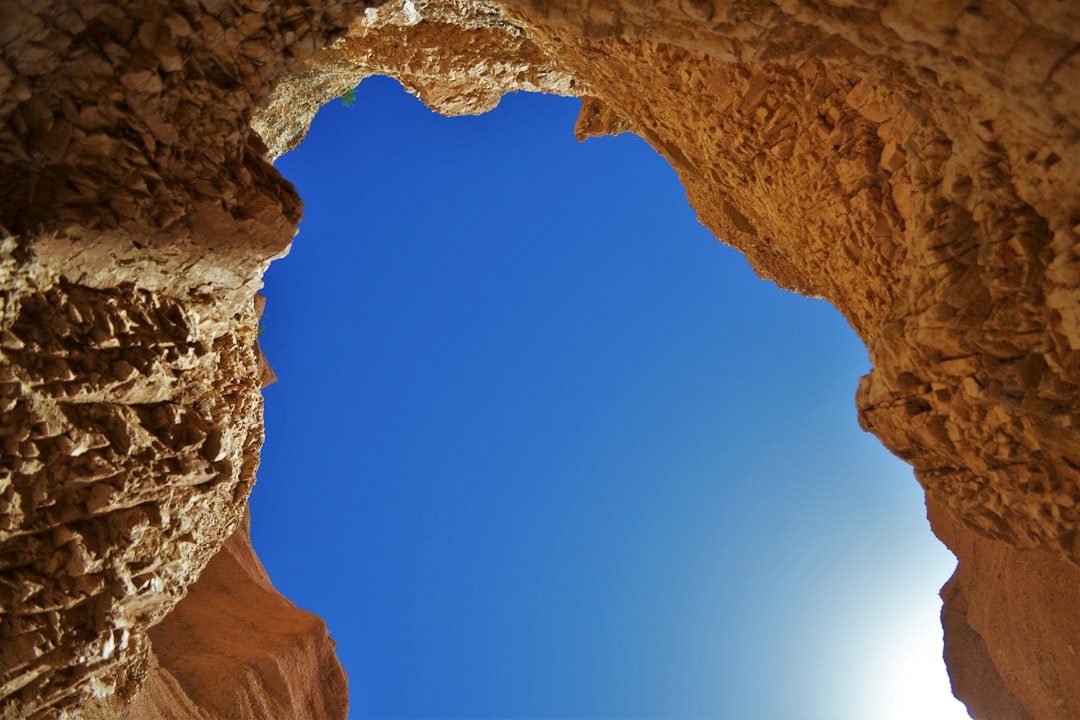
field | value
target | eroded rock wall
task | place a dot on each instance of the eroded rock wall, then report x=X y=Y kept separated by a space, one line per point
x=913 y=162
x=1010 y=620
x=137 y=214
x=257 y=656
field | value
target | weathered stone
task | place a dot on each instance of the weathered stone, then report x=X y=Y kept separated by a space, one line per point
x=915 y=163
x=258 y=655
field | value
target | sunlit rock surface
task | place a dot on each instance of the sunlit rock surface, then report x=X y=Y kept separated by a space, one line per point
x=915 y=163
x=256 y=655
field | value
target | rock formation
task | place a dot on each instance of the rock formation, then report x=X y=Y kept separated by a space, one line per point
x=914 y=162
x=257 y=656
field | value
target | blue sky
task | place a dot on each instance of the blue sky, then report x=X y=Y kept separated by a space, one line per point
x=541 y=447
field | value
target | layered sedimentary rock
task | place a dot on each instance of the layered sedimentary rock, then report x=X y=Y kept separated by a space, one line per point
x=915 y=163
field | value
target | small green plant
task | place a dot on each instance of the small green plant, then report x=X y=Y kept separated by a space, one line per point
x=348 y=98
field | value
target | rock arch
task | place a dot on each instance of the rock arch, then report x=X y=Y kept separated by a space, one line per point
x=914 y=163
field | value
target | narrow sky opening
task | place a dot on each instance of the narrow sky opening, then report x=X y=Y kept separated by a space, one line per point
x=543 y=447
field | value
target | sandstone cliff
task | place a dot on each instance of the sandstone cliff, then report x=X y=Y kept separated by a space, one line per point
x=256 y=655
x=913 y=162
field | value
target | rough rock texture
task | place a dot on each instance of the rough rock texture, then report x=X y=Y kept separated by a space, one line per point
x=915 y=162
x=1009 y=618
x=257 y=655
x=138 y=213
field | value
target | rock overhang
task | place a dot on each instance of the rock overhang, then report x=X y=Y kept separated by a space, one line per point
x=914 y=164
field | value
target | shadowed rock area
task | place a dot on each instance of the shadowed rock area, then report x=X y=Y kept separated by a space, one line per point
x=914 y=162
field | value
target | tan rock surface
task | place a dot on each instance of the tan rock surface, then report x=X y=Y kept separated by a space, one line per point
x=913 y=162
x=257 y=655
x=1010 y=618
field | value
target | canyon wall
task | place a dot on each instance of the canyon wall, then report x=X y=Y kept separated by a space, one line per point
x=234 y=648
x=913 y=162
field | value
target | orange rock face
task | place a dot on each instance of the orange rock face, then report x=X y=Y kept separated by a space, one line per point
x=234 y=648
x=1010 y=618
x=915 y=163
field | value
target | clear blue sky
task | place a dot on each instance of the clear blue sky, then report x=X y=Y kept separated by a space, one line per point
x=542 y=447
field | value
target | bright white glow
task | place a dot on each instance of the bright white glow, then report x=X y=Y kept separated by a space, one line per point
x=909 y=678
